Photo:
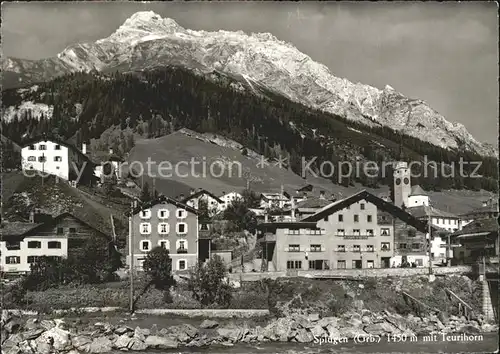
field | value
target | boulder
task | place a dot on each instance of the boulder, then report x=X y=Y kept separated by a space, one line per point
x=468 y=329
x=25 y=347
x=32 y=334
x=313 y=317
x=137 y=344
x=47 y=324
x=12 y=325
x=333 y=331
x=123 y=329
x=160 y=342
x=56 y=337
x=154 y=330
x=122 y=342
x=208 y=324
x=366 y=320
x=100 y=345
x=381 y=329
x=81 y=342
x=303 y=336
x=231 y=334
x=317 y=331
x=32 y=323
x=327 y=321
x=182 y=333
x=141 y=333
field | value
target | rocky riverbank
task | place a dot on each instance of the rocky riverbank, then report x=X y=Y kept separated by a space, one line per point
x=45 y=335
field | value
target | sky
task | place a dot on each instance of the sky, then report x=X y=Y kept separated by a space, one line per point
x=443 y=53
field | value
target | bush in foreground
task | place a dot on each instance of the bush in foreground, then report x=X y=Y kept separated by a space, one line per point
x=208 y=283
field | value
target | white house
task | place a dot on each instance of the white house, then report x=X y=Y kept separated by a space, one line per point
x=214 y=203
x=228 y=198
x=417 y=197
x=274 y=200
x=52 y=156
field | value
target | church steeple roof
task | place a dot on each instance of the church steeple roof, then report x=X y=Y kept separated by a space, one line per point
x=417 y=190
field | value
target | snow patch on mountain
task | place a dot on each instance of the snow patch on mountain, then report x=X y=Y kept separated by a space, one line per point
x=28 y=108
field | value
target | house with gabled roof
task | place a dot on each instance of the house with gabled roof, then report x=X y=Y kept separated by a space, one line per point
x=49 y=155
x=167 y=223
x=360 y=231
x=196 y=198
x=23 y=242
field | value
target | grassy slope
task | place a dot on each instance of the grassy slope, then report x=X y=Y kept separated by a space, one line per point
x=178 y=147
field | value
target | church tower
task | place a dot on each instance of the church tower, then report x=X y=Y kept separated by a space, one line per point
x=402 y=184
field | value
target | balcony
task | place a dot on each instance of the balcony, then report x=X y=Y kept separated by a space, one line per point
x=182 y=251
x=356 y=237
x=13 y=247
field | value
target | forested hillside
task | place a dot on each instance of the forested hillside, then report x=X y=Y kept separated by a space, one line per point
x=158 y=102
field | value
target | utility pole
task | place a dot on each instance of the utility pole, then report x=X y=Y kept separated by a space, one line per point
x=131 y=256
x=430 y=238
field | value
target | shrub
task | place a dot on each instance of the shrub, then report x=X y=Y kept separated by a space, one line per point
x=207 y=283
x=158 y=266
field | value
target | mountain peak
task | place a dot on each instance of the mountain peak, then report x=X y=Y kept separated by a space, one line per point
x=146 y=22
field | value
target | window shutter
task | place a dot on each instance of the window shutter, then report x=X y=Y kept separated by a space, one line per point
x=286 y=249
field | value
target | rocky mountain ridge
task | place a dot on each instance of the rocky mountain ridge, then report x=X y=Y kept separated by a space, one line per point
x=146 y=41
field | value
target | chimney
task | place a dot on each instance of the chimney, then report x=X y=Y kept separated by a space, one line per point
x=192 y=191
x=266 y=217
x=322 y=195
x=304 y=195
x=486 y=203
x=111 y=151
x=84 y=149
x=32 y=216
x=181 y=196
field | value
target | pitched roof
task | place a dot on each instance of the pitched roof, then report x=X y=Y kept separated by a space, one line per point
x=422 y=211
x=16 y=228
x=313 y=203
x=272 y=226
x=406 y=217
x=478 y=226
x=203 y=191
x=492 y=208
x=47 y=137
x=163 y=199
x=417 y=190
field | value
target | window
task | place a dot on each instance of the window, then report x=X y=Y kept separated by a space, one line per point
x=326 y=218
x=370 y=264
x=340 y=248
x=362 y=206
x=441 y=221
x=33 y=259
x=369 y=248
x=340 y=232
x=60 y=230
x=204 y=227
x=315 y=248
x=385 y=246
x=369 y=218
x=181 y=213
x=164 y=244
x=356 y=218
x=356 y=248
x=181 y=246
x=356 y=232
x=42 y=159
x=402 y=246
x=294 y=265
x=163 y=214
x=415 y=246
x=340 y=264
x=441 y=255
x=293 y=248
x=449 y=221
x=42 y=147
x=181 y=228
x=31 y=158
x=34 y=244
x=369 y=232
x=314 y=232
x=145 y=214
x=31 y=147
x=12 y=260
x=145 y=245
x=145 y=228
x=72 y=230
x=385 y=232
x=341 y=218
x=54 y=244
x=293 y=232
x=182 y=264
x=57 y=158
x=58 y=147
x=163 y=228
